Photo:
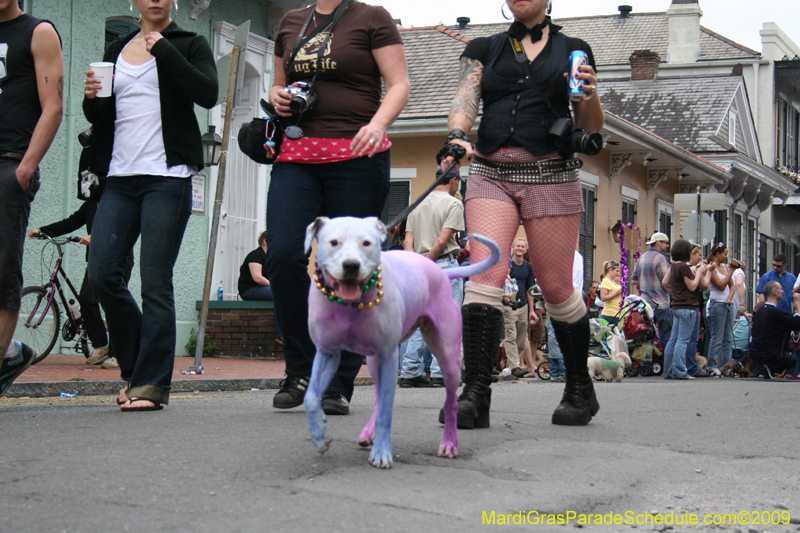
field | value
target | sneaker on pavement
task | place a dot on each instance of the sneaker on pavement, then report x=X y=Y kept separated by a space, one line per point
x=11 y=368
x=334 y=403
x=702 y=374
x=519 y=372
x=98 y=356
x=416 y=381
x=715 y=373
x=291 y=394
x=437 y=382
x=110 y=363
x=765 y=372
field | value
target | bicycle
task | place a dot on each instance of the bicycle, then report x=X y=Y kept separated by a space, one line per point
x=39 y=319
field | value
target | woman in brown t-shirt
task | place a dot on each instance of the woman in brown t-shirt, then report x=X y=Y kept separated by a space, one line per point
x=682 y=283
x=339 y=166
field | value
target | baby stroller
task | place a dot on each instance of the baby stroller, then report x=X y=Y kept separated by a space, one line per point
x=639 y=331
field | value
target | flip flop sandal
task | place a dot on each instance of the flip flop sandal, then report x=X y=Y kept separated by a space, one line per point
x=127 y=387
x=154 y=407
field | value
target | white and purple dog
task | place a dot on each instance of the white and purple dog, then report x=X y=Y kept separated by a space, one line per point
x=367 y=301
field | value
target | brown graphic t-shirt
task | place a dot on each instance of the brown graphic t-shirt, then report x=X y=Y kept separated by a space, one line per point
x=349 y=82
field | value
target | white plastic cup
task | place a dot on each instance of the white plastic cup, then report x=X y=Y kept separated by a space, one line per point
x=104 y=72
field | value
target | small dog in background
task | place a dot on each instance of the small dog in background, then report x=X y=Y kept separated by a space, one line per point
x=608 y=369
x=734 y=368
x=702 y=363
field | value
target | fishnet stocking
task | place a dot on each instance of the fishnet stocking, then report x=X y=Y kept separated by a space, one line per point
x=552 y=243
x=499 y=221
x=551 y=240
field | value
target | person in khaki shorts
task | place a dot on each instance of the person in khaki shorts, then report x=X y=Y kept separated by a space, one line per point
x=518 y=309
x=431 y=230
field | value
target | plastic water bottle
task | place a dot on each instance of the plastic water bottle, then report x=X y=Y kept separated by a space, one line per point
x=220 y=292
x=74 y=310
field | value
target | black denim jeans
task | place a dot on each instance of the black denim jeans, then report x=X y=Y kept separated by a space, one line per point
x=298 y=194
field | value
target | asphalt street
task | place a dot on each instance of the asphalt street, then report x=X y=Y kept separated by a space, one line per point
x=230 y=462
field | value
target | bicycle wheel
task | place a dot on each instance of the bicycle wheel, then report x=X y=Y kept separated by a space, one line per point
x=38 y=331
x=543 y=371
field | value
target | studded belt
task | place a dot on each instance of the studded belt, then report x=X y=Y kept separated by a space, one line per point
x=11 y=155
x=538 y=173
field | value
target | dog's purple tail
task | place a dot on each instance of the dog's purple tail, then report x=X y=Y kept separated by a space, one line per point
x=477 y=268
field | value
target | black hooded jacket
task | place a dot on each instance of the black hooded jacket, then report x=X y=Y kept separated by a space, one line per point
x=187 y=75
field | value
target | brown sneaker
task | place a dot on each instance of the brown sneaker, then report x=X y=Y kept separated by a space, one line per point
x=98 y=356
x=110 y=363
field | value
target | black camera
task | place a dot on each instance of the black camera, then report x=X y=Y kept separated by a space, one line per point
x=303 y=97
x=570 y=138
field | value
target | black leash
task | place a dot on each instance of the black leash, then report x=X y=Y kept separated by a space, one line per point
x=443 y=178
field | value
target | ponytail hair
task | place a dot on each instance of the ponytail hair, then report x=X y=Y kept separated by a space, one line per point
x=608 y=265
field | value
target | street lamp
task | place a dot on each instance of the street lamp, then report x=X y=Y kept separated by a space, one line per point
x=615 y=231
x=211 y=147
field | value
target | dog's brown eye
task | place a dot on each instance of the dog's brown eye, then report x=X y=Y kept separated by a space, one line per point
x=334 y=242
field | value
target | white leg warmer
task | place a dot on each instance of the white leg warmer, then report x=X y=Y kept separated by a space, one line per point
x=476 y=293
x=569 y=311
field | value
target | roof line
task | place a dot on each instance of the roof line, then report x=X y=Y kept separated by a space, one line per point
x=730 y=42
x=417 y=28
x=451 y=33
x=682 y=149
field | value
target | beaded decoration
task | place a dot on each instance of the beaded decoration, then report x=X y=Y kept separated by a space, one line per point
x=374 y=280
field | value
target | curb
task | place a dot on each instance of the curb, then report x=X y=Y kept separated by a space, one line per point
x=111 y=388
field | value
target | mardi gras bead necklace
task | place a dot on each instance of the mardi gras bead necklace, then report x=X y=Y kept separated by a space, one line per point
x=328 y=291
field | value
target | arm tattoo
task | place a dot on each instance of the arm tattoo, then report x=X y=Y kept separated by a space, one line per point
x=60 y=87
x=465 y=106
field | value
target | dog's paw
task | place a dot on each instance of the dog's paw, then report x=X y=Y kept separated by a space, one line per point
x=448 y=449
x=380 y=459
x=366 y=438
x=323 y=444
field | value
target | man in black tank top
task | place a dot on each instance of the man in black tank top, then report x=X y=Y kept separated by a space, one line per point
x=31 y=106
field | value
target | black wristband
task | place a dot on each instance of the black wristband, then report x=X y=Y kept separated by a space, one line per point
x=451 y=149
x=460 y=135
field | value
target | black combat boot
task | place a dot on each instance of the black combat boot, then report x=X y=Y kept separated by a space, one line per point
x=579 y=403
x=481 y=334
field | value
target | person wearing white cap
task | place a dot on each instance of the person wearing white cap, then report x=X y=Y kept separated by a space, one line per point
x=648 y=273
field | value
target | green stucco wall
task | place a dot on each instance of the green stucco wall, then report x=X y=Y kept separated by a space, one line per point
x=81 y=24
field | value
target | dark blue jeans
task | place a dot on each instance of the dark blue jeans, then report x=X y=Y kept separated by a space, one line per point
x=262 y=293
x=157 y=209
x=298 y=194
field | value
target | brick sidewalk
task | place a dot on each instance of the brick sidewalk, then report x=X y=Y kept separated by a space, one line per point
x=70 y=367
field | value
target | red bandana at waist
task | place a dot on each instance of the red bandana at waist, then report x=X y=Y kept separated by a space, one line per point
x=318 y=150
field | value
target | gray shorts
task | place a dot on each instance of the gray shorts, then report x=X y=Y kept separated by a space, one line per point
x=15 y=209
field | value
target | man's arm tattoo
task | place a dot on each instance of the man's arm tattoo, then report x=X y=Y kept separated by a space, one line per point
x=465 y=106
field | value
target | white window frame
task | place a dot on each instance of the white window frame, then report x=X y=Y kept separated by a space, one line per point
x=732 y=125
x=666 y=207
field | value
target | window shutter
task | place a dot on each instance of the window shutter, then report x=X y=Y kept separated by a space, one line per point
x=586 y=237
x=397 y=200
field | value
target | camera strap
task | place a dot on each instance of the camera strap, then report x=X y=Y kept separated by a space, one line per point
x=522 y=59
x=295 y=132
x=301 y=41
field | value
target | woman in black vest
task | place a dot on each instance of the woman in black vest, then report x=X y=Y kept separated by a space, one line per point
x=521 y=172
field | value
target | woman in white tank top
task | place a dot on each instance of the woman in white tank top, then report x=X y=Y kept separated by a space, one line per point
x=720 y=311
x=147 y=137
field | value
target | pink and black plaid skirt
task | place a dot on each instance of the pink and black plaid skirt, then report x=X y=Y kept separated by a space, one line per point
x=533 y=200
